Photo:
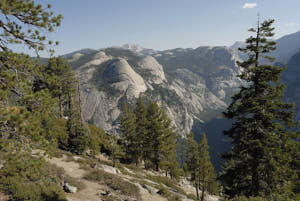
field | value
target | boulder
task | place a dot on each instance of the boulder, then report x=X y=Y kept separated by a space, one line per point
x=69 y=188
x=110 y=169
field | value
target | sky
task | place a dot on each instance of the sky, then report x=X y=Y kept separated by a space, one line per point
x=165 y=24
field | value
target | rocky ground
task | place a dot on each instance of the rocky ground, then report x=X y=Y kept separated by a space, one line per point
x=120 y=183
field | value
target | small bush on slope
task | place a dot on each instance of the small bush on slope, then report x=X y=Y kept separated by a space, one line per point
x=24 y=178
x=166 y=193
x=114 y=182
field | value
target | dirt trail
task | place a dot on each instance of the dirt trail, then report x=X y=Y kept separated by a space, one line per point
x=92 y=189
x=89 y=193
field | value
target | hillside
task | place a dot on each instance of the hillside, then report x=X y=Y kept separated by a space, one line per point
x=95 y=178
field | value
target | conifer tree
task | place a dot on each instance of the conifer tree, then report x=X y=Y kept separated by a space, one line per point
x=258 y=164
x=77 y=133
x=168 y=145
x=129 y=135
x=24 y=21
x=156 y=131
x=193 y=161
x=23 y=111
x=207 y=174
x=141 y=128
x=171 y=166
x=296 y=166
x=58 y=76
x=116 y=150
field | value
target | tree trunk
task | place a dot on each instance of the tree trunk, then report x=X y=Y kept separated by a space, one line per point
x=79 y=100
x=70 y=105
x=197 y=189
x=60 y=107
x=157 y=167
x=254 y=183
x=196 y=185
x=203 y=189
x=114 y=162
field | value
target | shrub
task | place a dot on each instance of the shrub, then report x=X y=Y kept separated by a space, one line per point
x=166 y=181
x=191 y=196
x=24 y=178
x=166 y=193
x=58 y=131
x=163 y=191
x=114 y=182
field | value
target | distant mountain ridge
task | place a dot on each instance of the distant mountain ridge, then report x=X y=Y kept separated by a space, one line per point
x=193 y=85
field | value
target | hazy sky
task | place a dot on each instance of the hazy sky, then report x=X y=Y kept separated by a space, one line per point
x=166 y=24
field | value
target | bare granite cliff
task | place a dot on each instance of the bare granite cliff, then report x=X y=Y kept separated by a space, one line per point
x=192 y=85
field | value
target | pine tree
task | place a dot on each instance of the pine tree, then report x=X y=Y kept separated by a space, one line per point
x=193 y=161
x=58 y=76
x=141 y=128
x=258 y=164
x=77 y=132
x=24 y=111
x=173 y=166
x=207 y=174
x=24 y=21
x=296 y=166
x=156 y=131
x=116 y=150
x=129 y=136
x=167 y=146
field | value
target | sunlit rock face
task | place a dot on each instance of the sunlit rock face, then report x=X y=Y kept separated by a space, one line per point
x=192 y=85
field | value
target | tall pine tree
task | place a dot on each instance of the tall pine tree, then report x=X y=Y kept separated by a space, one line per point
x=259 y=162
x=141 y=128
x=59 y=79
x=76 y=130
x=193 y=161
x=207 y=174
x=129 y=136
x=167 y=147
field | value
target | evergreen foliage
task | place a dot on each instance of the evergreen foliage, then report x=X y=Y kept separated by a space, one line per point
x=24 y=177
x=207 y=175
x=193 y=162
x=148 y=135
x=142 y=128
x=155 y=130
x=99 y=141
x=59 y=81
x=200 y=167
x=24 y=21
x=77 y=134
x=26 y=113
x=259 y=162
x=167 y=148
x=129 y=136
x=116 y=150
